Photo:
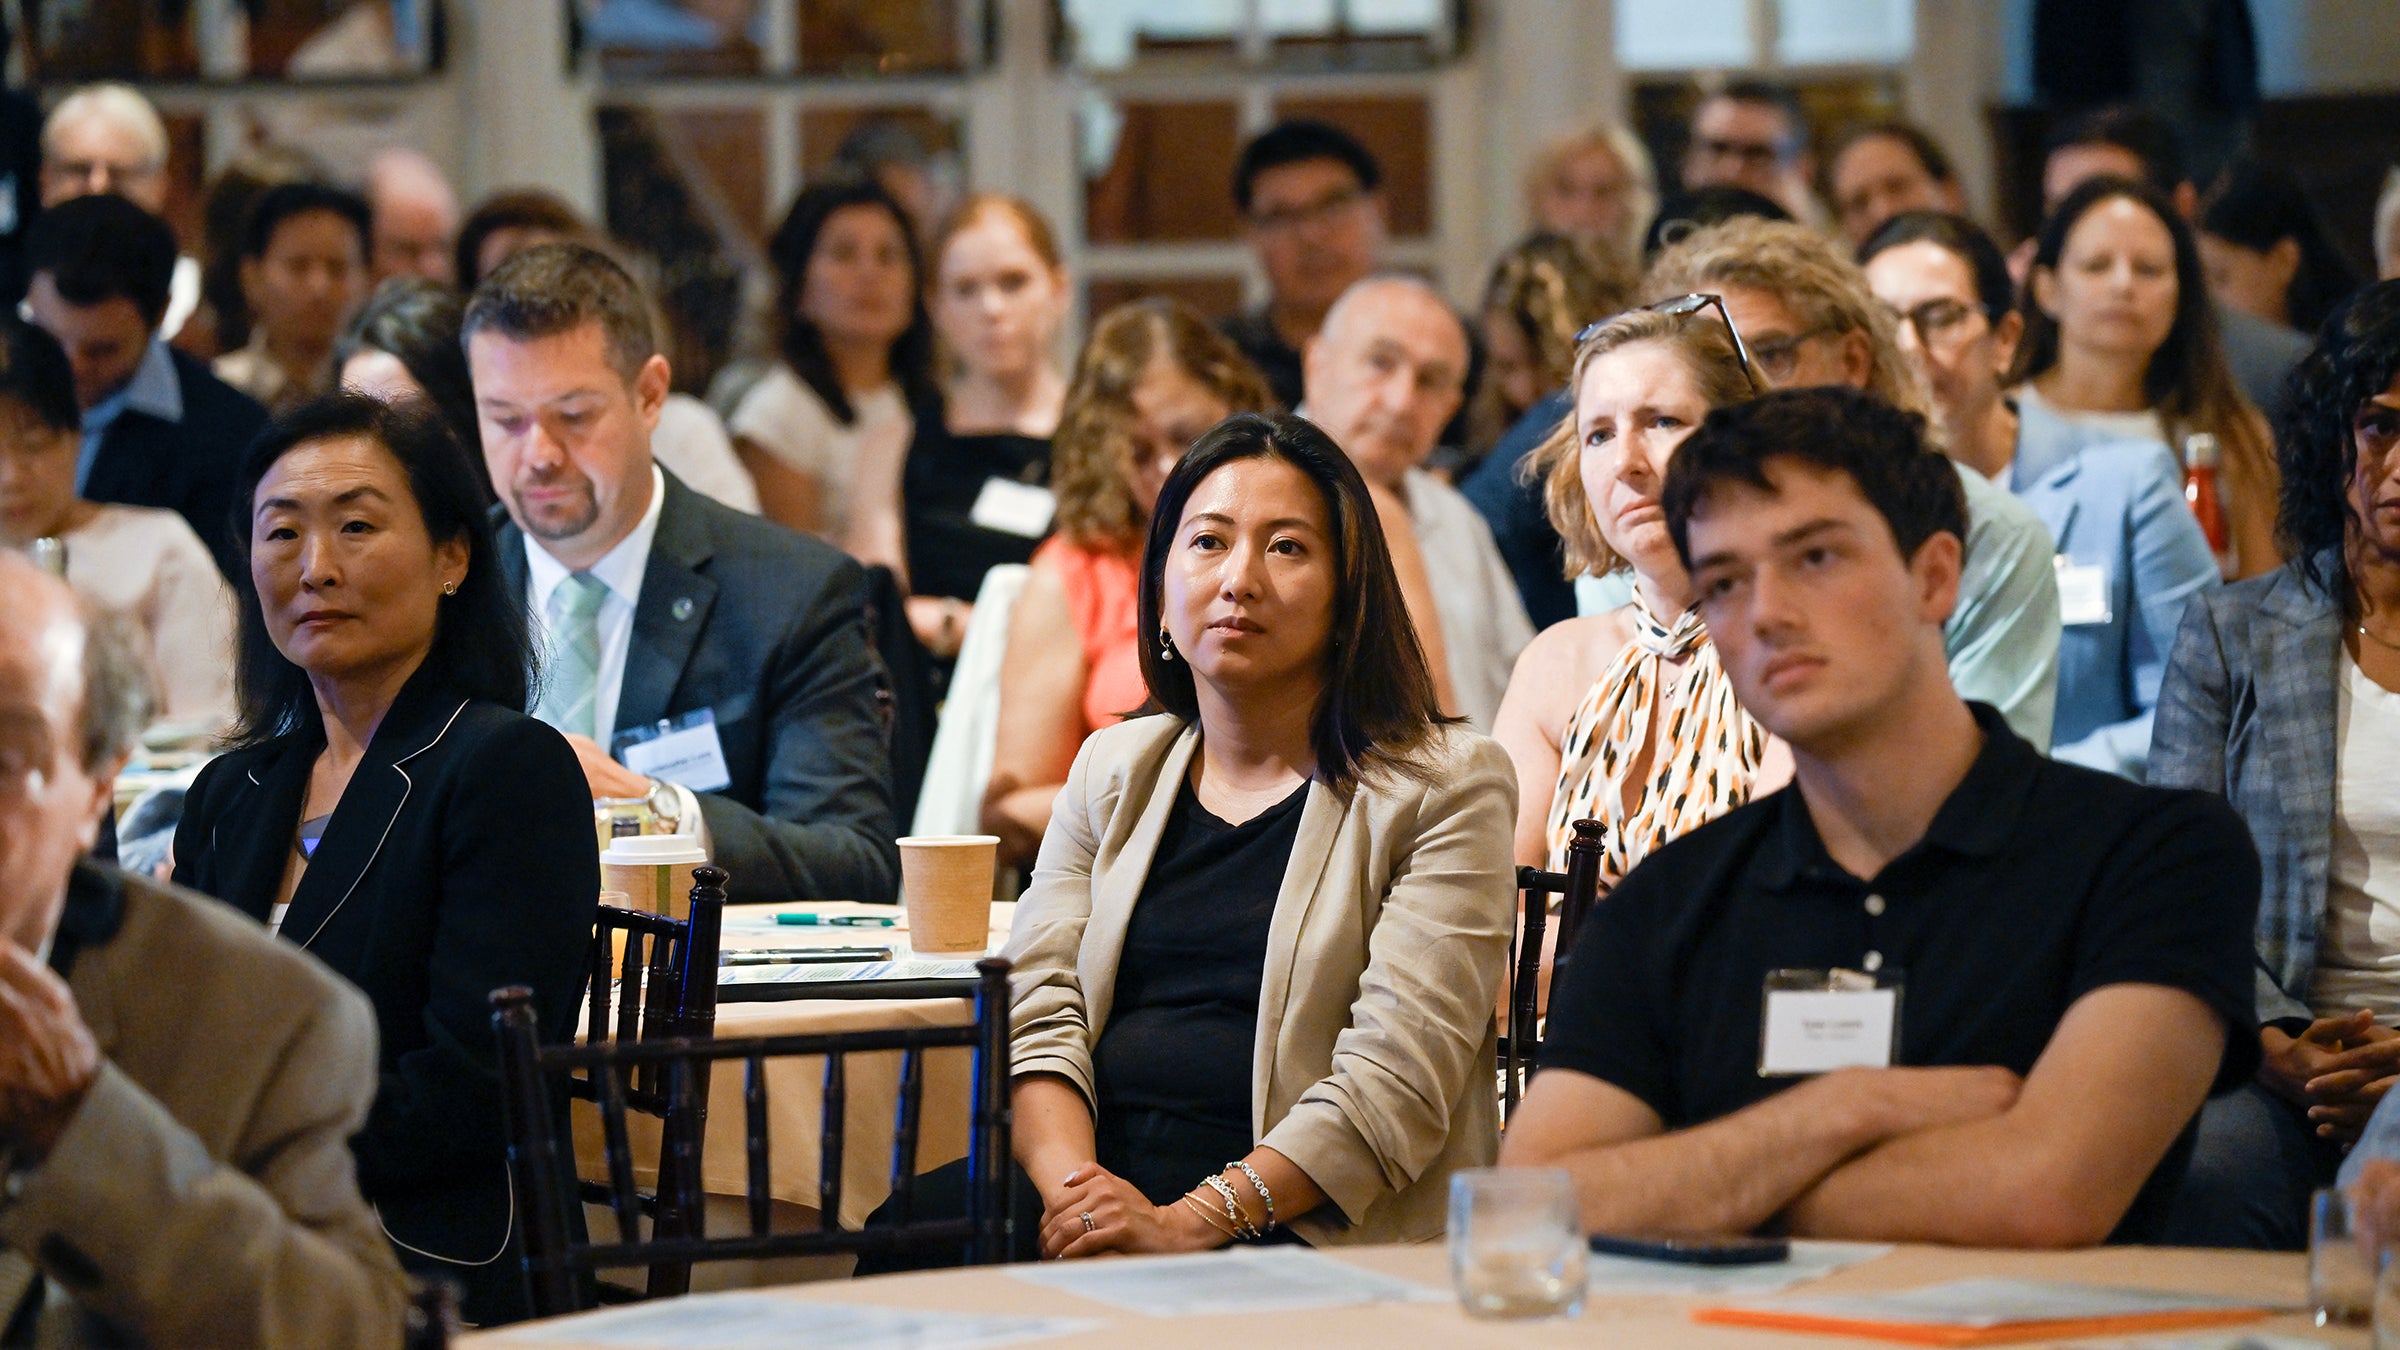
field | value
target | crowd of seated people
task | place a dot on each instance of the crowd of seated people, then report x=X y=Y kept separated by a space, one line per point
x=2014 y=632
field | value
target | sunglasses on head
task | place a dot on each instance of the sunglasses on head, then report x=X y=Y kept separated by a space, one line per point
x=1681 y=306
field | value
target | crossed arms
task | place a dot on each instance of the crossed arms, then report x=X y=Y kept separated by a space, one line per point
x=1963 y=1155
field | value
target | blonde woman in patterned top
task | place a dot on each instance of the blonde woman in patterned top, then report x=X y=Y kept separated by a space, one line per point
x=1625 y=717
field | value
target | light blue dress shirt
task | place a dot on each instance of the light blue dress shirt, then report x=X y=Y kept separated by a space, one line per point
x=153 y=390
x=2116 y=506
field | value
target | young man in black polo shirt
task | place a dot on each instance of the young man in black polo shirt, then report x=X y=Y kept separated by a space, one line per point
x=1999 y=1037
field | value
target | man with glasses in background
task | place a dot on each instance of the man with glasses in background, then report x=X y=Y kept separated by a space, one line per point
x=1807 y=317
x=2130 y=552
x=1754 y=135
x=1311 y=200
x=106 y=139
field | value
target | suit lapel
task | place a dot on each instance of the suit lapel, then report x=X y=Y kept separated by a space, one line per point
x=2054 y=499
x=676 y=598
x=1304 y=876
x=319 y=918
x=1118 y=884
x=250 y=862
x=2298 y=708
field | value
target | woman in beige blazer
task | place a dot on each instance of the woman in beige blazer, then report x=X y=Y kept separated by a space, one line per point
x=1330 y=1021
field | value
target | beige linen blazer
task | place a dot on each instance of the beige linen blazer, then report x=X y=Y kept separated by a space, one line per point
x=203 y=1194
x=1375 y=1063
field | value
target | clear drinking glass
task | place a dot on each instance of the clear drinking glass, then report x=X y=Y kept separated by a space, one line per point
x=1516 y=1242
x=2341 y=1271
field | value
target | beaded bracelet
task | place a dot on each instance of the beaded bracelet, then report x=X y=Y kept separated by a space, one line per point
x=1264 y=1197
x=1242 y=1227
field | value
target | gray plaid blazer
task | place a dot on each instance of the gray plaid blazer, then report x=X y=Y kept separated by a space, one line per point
x=2248 y=711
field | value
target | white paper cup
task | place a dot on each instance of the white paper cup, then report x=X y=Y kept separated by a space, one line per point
x=653 y=870
x=946 y=886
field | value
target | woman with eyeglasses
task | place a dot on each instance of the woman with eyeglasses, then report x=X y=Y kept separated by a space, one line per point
x=2283 y=694
x=2130 y=552
x=1152 y=378
x=1625 y=717
x=2121 y=343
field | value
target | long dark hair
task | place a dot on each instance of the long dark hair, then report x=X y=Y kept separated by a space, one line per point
x=2188 y=382
x=2356 y=356
x=802 y=346
x=481 y=646
x=1378 y=707
x=2257 y=206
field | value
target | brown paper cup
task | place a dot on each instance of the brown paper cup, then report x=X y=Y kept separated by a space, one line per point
x=946 y=885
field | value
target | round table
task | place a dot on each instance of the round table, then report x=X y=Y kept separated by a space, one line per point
x=1651 y=1322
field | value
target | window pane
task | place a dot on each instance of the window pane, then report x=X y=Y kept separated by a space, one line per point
x=341 y=39
x=1211 y=296
x=78 y=40
x=883 y=37
x=1680 y=34
x=1166 y=175
x=684 y=188
x=674 y=37
x=1398 y=132
x=1845 y=31
x=1109 y=34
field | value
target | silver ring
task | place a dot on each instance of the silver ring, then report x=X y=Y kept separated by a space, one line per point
x=1088 y=1225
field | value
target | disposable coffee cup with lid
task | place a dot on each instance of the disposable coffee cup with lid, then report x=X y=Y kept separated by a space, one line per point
x=653 y=870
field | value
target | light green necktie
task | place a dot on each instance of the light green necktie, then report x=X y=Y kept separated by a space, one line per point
x=569 y=684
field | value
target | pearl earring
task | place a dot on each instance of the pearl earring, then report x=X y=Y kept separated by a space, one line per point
x=1166 y=644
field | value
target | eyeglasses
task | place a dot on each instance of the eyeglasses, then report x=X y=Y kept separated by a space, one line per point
x=1681 y=306
x=1937 y=321
x=1759 y=153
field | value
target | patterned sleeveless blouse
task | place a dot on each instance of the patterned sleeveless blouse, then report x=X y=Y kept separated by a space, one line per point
x=1706 y=762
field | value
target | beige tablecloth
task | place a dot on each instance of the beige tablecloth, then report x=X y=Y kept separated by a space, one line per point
x=1652 y=1323
x=795 y=1087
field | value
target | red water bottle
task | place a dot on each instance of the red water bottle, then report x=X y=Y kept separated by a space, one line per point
x=2200 y=491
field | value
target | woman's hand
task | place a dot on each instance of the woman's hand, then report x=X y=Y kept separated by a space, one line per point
x=1121 y=1219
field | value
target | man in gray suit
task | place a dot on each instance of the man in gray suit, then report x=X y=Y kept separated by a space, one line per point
x=177 y=1103
x=712 y=661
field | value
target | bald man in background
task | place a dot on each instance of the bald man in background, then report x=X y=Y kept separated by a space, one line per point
x=416 y=218
x=1382 y=376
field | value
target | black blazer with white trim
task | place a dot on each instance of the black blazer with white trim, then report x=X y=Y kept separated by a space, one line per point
x=460 y=859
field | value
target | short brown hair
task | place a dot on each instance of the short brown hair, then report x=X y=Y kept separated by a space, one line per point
x=557 y=288
x=1706 y=349
x=1810 y=274
x=1091 y=462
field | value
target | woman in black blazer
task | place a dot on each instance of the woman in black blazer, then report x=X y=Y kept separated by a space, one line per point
x=388 y=805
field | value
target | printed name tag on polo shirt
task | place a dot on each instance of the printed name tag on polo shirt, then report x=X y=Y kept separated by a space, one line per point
x=682 y=750
x=2082 y=592
x=1021 y=509
x=1817 y=1021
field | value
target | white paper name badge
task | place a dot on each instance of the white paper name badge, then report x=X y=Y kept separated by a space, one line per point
x=2082 y=591
x=1021 y=509
x=1817 y=1021
x=683 y=750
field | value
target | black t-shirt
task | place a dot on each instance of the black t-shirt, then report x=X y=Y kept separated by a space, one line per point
x=948 y=553
x=2036 y=883
x=1183 y=1028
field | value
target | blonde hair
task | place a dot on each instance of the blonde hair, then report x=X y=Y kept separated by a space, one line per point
x=1092 y=459
x=1706 y=349
x=1812 y=277
x=1549 y=286
x=112 y=102
x=1641 y=197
